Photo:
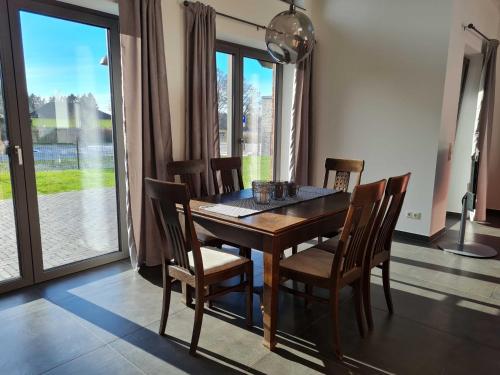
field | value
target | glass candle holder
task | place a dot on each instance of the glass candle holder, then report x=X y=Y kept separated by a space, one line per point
x=262 y=192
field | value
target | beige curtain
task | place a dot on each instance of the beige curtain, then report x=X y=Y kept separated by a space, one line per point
x=483 y=126
x=147 y=120
x=301 y=122
x=202 y=118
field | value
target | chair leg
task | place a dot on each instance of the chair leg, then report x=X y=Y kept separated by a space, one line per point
x=187 y=298
x=198 y=318
x=249 y=290
x=309 y=292
x=320 y=239
x=358 y=300
x=367 y=299
x=387 y=285
x=247 y=253
x=334 y=313
x=294 y=249
x=209 y=303
x=167 y=288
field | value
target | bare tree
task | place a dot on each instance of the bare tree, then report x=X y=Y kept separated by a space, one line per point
x=222 y=89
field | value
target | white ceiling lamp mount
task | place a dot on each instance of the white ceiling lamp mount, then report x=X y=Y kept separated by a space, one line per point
x=290 y=36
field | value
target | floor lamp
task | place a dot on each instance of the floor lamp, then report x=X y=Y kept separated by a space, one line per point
x=469 y=249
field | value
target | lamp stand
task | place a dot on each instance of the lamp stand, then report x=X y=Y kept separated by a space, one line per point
x=467 y=249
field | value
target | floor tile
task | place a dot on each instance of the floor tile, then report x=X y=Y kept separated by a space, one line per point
x=38 y=336
x=103 y=361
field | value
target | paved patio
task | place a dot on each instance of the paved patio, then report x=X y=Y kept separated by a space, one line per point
x=75 y=225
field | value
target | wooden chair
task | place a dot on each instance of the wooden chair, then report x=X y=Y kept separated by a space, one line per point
x=379 y=254
x=333 y=271
x=199 y=267
x=343 y=169
x=228 y=168
x=189 y=171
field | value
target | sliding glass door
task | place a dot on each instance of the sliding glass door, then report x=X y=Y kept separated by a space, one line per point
x=249 y=88
x=66 y=73
x=69 y=98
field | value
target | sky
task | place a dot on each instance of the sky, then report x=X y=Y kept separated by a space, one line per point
x=62 y=57
x=260 y=77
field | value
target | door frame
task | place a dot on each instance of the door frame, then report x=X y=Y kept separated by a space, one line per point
x=89 y=17
x=239 y=52
x=16 y=171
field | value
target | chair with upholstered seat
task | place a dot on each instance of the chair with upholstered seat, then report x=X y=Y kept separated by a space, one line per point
x=380 y=253
x=334 y=270
x=229 y=170
x=199 y=267
x=191 y=173
x=231 y=180
x=343 y=169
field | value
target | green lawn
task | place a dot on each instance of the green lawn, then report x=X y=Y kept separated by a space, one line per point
x=52 y=123
x=256 y=168
x=51 y=182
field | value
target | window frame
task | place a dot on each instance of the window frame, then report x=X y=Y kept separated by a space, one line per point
x=91 y=17
x=239 y=52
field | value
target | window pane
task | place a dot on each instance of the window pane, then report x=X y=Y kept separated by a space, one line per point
x=259 y=80
x=68 y=80
x=225 y=96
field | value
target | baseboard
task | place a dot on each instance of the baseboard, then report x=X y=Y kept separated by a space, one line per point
x=493 y=212
x=418 y=237
x=455 y=215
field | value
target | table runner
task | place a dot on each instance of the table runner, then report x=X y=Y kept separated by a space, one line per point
x=246 y=207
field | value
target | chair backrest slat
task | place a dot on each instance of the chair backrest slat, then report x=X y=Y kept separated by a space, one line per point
x=191 y=173
x=361 y=215
x=165 y=196
x=343 y=169
x=227 y=168
x=389 y=212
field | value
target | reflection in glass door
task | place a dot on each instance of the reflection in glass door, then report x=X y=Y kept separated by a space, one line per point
x=9 y=254
x=67 y=70
x=258 y=120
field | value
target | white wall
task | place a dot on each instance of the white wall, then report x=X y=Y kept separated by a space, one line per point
x=379 y=74
x=461 y=157
x=107 y=6
x=485 y=15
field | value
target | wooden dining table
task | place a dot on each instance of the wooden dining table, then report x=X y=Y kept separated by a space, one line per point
x=271 y=232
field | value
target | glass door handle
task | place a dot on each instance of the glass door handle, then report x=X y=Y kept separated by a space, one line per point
x=19 y=153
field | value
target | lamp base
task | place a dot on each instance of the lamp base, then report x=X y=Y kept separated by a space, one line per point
x=469 y=249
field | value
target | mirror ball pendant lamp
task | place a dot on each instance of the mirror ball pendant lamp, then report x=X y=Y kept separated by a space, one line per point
x=290 y=36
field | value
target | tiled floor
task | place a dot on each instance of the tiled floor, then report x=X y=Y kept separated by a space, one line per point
x=75 y=225
x=446 y=321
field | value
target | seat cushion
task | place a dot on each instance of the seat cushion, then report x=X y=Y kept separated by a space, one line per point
x=314 y=262
x=216 y=260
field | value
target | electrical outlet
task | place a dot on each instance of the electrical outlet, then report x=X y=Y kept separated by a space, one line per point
x=414 y=215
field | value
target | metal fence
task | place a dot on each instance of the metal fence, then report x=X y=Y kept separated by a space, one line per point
x=61 y=156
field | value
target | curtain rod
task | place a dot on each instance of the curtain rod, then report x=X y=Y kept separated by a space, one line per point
x=186 y=3
x=471 y=26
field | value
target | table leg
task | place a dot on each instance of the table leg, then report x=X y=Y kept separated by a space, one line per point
x=271 y=289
